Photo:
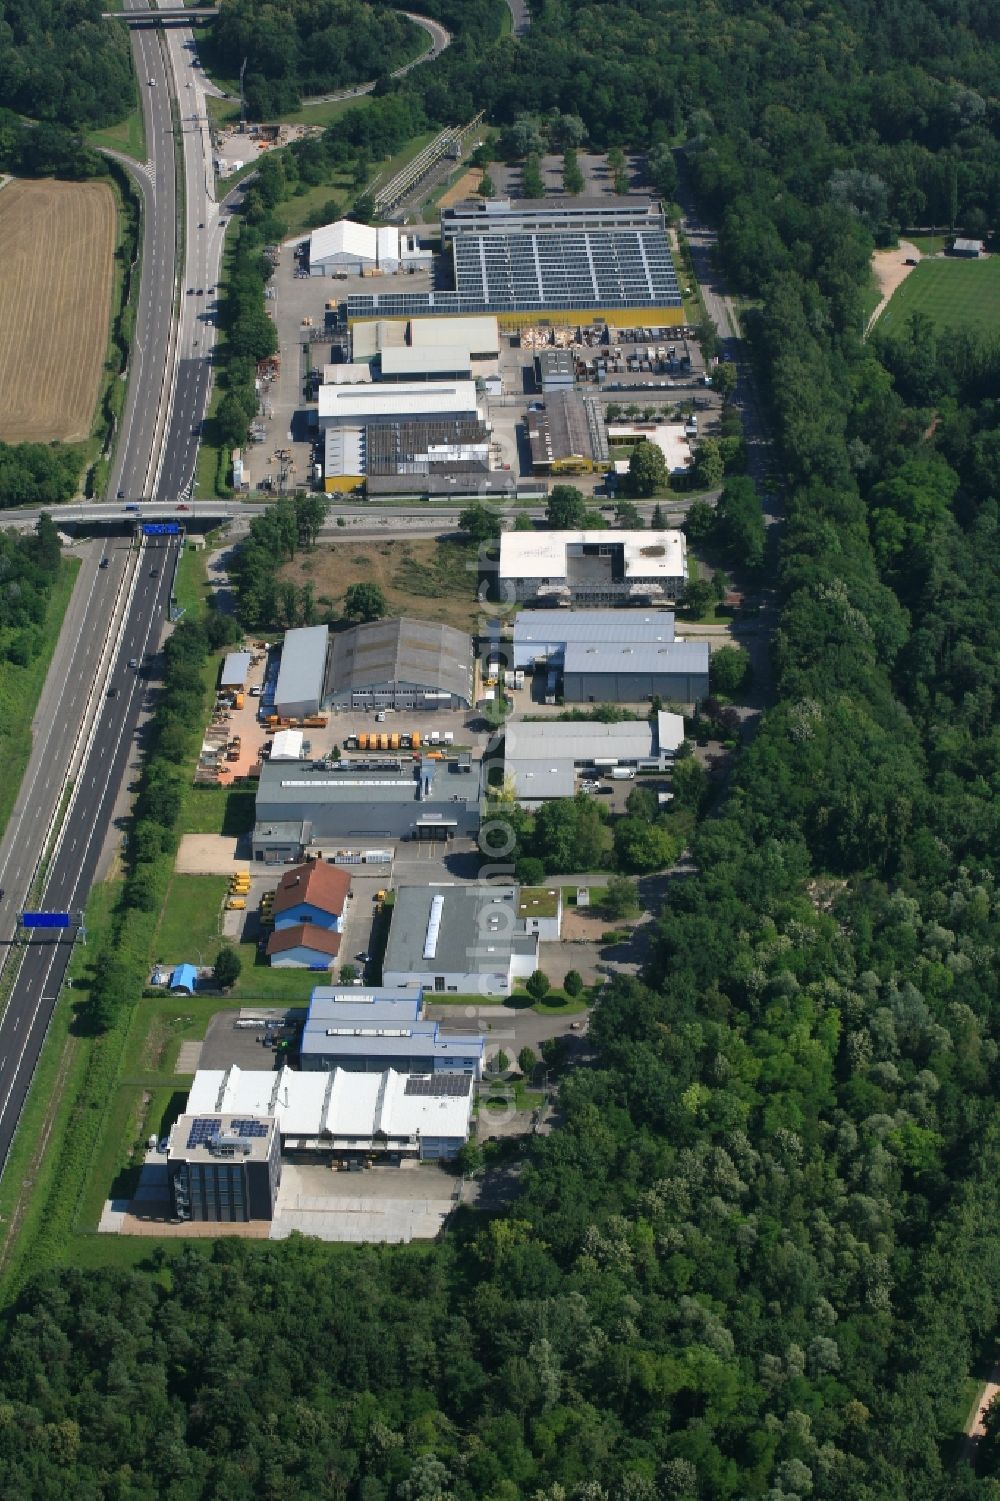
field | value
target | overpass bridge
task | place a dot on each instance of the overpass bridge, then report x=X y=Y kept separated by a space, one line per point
x=178 y=15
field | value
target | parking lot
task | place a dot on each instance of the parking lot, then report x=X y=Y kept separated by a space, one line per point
x=289 y=417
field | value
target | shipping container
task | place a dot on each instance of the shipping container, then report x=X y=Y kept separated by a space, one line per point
x=363 y=740
x=394 y=740
x=415 y=740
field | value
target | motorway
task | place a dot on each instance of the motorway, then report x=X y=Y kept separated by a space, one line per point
x=74 y=861
x=78 y=731
x=135 y=458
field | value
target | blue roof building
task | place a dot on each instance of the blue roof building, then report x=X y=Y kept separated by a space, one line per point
x=184 y=977
x=373 y=1030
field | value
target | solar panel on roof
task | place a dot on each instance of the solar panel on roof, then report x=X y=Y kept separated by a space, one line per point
x=452 y=1085
x=201 y=1131
x=248 y=1128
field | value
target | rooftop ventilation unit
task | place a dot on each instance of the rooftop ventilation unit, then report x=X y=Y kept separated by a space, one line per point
x=433 y=927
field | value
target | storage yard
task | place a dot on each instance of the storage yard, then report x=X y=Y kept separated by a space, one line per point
x=54 y=307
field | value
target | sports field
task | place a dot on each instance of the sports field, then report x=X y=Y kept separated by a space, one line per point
x=953 y=293
x=57 y=241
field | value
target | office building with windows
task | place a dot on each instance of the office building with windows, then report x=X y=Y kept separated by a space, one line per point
x=224 y=1167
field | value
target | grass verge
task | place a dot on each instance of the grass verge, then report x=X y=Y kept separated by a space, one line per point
x=128 y=136
x=21 y=687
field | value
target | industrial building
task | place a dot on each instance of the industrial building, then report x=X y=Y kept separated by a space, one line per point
x=616 y=672
x=287 y=745
x=544 y=759
x=540 y=909
x=478 y=337
x=402 y=664
x=341 y=1115
x=359 y=374
x=554 y=370
x=385 y=1031
x=466 y=940
x=405 y=401
x=448 y=455
x=413 y=452
x=235 y=671
x=540 y=637
x=223 y=1167
x=567 y=436
x=537 y=215
x=348 y=249
x=581 y=257
x=302 y=674
x=303 y=809
x=445 y=362
x=593 y=567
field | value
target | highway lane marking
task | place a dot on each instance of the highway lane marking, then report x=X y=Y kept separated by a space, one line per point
x=10 y=1008
x=47 y=767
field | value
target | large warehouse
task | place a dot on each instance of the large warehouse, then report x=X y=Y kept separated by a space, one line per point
x=593 y=567
x=450 y=455
x=403 y=401
x=385 y=1033
x=540 y=637
x=577 y=256
x=466 y=940
x=479 y=216
x=302 y=674
x=340 y=1114
x=402 y=664
x=616 y=672
x=544 y=758
x=302 y=809
x=349 y=249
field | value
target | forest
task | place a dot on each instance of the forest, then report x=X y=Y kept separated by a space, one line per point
x=307 y=47
x=760 y=1254
x=60 y=63
x=29 y=565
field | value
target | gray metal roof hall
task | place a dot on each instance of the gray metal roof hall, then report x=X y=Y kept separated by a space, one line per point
x=407 y=658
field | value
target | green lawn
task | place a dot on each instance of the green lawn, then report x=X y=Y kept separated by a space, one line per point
x=927 y=244
x=299 y=210
x=259 y=982
x=190 y=927
x=20 y=688
x=218 y=810
x=556 y=1003
x=192 y=590
x=227 y=112
x=129 y=136
x=952 y=293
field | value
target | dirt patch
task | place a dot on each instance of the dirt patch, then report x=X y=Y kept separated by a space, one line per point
x=57 y=241
x=206 y=855
x=465 y=187
x=583 y=927
x=427 y=579
x=891 y=270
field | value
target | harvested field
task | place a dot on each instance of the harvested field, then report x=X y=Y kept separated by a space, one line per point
x=57 y=242
x=426 y=578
